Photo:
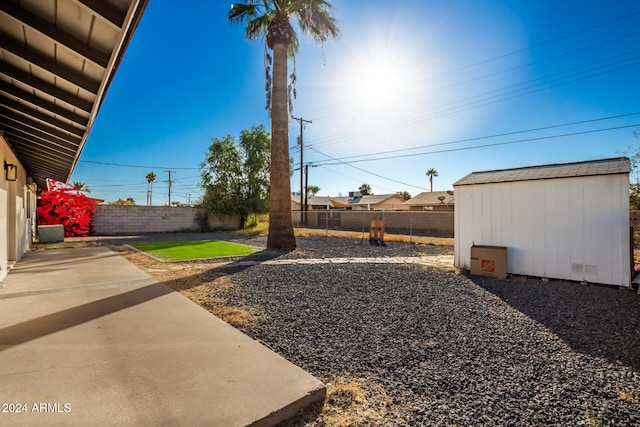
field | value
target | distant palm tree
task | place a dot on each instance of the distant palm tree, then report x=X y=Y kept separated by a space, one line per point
x=123 y=202
x=150 y=178
x=365 y=189
x=313 y=190
x=404 y=194
x=81 y=187
x=431 y=173
x=270 y=19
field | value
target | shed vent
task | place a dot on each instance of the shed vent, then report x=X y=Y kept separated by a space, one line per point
x=586 y=269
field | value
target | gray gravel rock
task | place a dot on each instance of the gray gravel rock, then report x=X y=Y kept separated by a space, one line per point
x=453 y=349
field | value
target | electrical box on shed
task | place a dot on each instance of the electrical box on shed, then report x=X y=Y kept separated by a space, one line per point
x=489 y=261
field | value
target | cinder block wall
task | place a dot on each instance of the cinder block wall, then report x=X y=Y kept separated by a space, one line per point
x=111 y=220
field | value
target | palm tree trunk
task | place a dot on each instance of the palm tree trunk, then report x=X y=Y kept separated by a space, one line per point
x=281 y=236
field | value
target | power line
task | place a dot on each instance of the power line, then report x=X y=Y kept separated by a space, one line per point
x=564 y=54
x=135 y=166
x=495 y=135
x=441 y=111
x=544 y=43
x=584 y=30
x=472 y=147
x=352 y=178
x=360 y=169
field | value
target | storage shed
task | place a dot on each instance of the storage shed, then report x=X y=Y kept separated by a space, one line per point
x=564 y=221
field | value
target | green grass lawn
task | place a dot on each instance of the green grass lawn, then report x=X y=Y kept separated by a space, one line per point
x=180 y=251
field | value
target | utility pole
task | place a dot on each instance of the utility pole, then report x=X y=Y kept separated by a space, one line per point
x=169 y=172
x=302 y=122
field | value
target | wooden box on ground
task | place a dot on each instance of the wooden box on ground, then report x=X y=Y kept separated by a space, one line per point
x=489 y=261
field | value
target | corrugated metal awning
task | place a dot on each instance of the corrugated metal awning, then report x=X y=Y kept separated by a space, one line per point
x=57 y=59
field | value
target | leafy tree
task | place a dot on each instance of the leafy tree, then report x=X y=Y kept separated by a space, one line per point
x=64 y=205
x=404 y=194
x=81 y=187
x=634 y=196
x=236 y=174
x=365 y=189
x=270 y=19
x=151 y=177
x=431 y=173
x=313 y=190
x=122 y=202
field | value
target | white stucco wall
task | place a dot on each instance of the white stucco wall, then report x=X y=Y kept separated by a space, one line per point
x=15 y=217
x=566 y=228
x=3 y=230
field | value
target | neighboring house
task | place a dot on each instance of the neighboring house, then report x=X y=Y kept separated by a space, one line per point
x=295 y=202
x=320 y=202
x=432 y=201
x=354 y=202
x=314 y=203
x=564 y=221
x=370 y=202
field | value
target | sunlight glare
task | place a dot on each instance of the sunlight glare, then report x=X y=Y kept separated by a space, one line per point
x=381 y=82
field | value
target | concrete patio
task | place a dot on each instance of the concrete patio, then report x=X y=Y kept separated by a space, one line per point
x=88 y=338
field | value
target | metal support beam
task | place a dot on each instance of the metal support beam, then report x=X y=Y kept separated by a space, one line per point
x=18 y=141
x=39 y=102
x=112 y=15
x=50 y=66
x=72 y=138
x=30 y=112
x=49 y=30
x=37 y=135
x=29 y=80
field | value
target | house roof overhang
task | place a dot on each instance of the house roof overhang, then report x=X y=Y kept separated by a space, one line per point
x=57 y=59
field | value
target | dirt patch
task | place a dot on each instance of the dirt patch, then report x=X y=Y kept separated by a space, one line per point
x=351 y=401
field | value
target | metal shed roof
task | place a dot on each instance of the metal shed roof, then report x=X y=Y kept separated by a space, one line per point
x=555 y=171
x=57 y=59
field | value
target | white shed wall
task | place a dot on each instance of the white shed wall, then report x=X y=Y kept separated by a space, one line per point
x=569 y=228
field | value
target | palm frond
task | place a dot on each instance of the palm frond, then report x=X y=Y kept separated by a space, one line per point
x=257 y=27
x=315 y=18
x=240 y=12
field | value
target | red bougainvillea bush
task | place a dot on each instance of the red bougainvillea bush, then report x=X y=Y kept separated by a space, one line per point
x=64 y=205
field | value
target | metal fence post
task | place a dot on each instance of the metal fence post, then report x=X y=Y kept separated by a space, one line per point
x=326 y=223
x=410 y=227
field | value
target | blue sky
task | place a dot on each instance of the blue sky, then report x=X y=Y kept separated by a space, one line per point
x=408 y=86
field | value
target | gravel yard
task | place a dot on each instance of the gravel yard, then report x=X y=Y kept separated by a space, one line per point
x=450 y=349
